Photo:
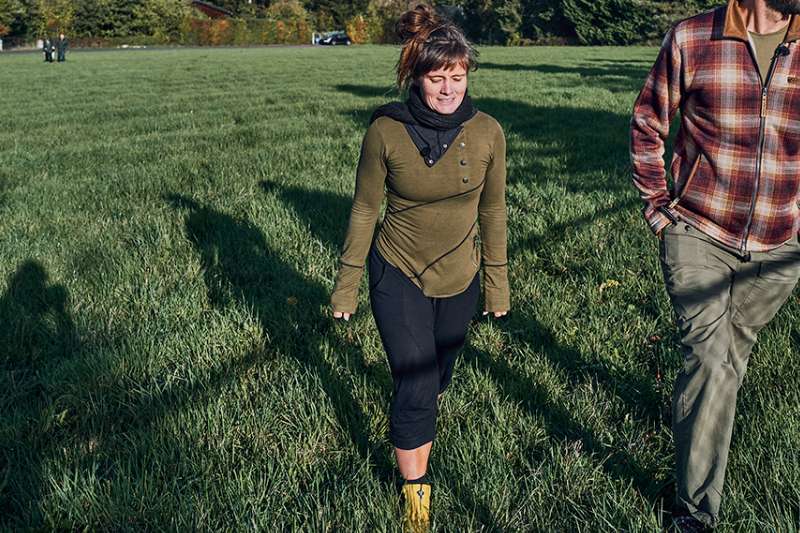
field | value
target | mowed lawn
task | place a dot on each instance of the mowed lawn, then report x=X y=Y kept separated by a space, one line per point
x=170 y=222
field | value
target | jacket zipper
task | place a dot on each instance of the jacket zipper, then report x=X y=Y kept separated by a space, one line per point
x=761 y=139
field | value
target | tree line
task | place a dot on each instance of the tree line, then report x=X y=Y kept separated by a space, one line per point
x=507 y=22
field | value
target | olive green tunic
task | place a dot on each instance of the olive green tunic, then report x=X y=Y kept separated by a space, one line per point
x=440 y=221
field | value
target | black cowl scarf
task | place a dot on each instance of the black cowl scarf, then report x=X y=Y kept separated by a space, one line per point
x=432 y=132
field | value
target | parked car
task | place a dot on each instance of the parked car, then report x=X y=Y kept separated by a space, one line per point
x=334 y=38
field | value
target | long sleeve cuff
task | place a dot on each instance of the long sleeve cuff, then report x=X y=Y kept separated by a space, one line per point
x=345 y=294
x=657 y=219
x=495 y=289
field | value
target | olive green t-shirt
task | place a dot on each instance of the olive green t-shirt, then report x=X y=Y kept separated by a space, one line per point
x=441 y=222
x=764 y=46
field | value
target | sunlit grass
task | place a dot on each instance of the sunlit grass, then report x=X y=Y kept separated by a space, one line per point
x=169 y=227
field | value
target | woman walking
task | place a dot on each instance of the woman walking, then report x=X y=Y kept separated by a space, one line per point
x=441 y=165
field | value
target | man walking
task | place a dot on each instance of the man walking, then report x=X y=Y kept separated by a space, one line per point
x=47 y=48
x=729 y=225
x=61 y=47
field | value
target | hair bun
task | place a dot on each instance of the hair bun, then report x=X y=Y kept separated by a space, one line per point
x=420 y=21
x=430 y=42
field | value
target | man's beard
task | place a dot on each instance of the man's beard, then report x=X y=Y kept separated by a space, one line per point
x=785 y=7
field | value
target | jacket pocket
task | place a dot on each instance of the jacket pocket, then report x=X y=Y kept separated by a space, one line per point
x=679 y=195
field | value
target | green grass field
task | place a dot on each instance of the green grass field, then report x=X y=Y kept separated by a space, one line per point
x=169 y=228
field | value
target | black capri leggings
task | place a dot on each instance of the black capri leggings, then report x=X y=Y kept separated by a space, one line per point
x=422 y=337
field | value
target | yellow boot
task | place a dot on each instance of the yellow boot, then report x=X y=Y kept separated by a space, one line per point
x=417 y=498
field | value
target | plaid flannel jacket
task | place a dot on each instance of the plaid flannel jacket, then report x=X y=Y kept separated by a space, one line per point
x=736 y=160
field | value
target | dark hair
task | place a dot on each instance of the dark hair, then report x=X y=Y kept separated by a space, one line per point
x=430 y=43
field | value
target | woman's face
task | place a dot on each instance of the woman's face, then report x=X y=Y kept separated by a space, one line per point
x=443 y=90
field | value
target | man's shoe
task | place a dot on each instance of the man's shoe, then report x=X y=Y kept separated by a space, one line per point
x=689 y=524
x=417 y=498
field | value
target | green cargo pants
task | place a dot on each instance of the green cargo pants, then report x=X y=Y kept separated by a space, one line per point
x=721 y=301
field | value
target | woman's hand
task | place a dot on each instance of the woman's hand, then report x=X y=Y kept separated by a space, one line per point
x=497 y=314
x=338 y=315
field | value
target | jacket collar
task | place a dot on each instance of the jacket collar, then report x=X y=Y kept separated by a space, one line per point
x=736 y=27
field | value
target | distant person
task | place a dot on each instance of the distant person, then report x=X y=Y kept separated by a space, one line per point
x=47 y=48
x=61 y=47
x=729 y=226
x=441 y=165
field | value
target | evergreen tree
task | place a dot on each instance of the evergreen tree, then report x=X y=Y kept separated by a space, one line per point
x=509 y=20
x=545 y=18
x=610 y=21
x=105 y=18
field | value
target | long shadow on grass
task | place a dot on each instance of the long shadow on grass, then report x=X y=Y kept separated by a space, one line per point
x=562 y=231
x=240 y=267
x=37 y=336
x=326 y=213
x=615 y=76
x=635 y=391
x=583 y=150
x=367 y=91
